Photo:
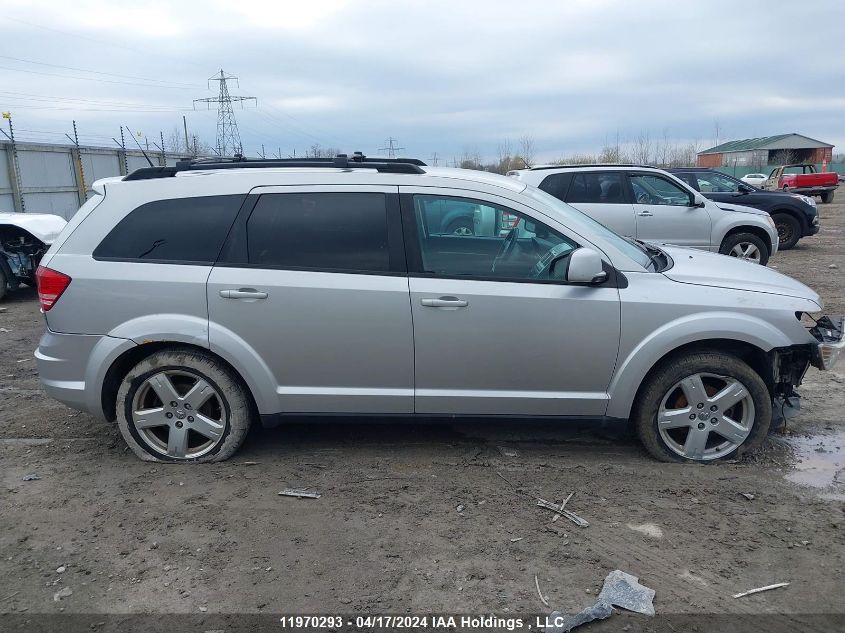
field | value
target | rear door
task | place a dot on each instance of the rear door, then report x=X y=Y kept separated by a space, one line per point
x=603 y=196
x=665 y=211
x=312 y=286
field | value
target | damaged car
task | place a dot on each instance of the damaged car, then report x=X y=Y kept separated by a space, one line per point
x=24 y=238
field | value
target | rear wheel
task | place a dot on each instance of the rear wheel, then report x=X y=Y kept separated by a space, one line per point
x=702 y=407
x=827 y=197
x=182 y=406
x=789 y=230
x=745 y=246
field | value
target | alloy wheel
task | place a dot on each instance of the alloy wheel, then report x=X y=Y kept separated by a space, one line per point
x=462 y=230
x=705 y=416
x=746 y=251
x=179 y=414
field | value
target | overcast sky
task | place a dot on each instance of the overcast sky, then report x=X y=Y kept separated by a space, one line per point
x=445 y=77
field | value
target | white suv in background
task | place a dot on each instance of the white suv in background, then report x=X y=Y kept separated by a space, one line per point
x=651 y=205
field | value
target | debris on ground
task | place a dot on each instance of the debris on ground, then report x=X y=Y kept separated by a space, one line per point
x=300 y=493
x=515 y=540
x=554 y=507
x=619 y=589
x=649 y=529
x=777 y=585
x=2 y=329
x=250 y=463
x=543 y=598
x=562 y=506
x=62 y=593
x=30 y=477
x=460 y=507
x=60 y=569
x=747 y=495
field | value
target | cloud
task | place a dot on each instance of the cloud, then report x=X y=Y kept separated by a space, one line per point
x=439 y=76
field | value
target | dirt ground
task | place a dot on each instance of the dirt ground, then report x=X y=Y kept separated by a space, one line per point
x=420 y=518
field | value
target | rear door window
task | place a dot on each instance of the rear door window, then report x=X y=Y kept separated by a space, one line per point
x=596 y=188
x=179 y=230
x=339 y=232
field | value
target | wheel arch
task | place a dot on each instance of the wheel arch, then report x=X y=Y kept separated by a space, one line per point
x=746 y=337
x=800 y=217
x=754 y=230
x=134 y=355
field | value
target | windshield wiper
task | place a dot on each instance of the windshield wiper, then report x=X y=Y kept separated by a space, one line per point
x=652 y=251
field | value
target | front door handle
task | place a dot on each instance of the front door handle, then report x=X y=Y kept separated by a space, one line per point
x=243 y=293
x=645 y=214
x=444 y=302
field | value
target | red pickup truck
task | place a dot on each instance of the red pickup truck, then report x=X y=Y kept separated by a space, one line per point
x=803 y=179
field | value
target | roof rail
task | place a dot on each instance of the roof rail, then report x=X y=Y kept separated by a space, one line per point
x=341 y=161
x=587 y=166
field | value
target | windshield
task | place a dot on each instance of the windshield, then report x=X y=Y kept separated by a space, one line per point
x=630 y=248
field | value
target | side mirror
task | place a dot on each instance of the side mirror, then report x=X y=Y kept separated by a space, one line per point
x=698 y=200
x=743 y=188
x=585 y=267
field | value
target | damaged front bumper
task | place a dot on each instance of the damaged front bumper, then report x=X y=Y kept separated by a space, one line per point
x=830 y=332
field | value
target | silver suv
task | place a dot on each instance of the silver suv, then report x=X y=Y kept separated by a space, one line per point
x=189 y=302
x=653 y=205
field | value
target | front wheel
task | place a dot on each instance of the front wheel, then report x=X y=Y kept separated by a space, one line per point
x=745 y=246
x=789 y=230
x=702 y=407
x=182 y=406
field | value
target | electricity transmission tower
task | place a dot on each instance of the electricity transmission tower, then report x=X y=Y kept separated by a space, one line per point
x=391 y=149
x=228 y=137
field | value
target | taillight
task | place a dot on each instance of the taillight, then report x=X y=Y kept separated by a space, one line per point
x=51 y=285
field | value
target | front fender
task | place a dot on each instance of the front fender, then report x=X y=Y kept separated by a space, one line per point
x=699 y=327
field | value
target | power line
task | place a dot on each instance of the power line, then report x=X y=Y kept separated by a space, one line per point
x=146 y=52
x=99 y=72
x=105 y=81
x=228 y=137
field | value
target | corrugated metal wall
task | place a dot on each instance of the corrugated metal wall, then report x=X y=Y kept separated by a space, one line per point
x=50 y=180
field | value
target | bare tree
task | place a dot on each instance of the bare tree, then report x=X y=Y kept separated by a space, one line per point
x=527 y=150
x=641 y=151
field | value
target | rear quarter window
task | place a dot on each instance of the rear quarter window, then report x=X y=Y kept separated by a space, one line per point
x=179 y=230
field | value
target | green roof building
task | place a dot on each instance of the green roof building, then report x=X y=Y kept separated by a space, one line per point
x=767 y=150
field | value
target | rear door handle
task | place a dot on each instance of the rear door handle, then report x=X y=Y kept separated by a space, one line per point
x=444 y=302
x=243 y=293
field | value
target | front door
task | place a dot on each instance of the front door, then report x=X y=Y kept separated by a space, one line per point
x=665 y=212
x=493 y=334
x=315 y=291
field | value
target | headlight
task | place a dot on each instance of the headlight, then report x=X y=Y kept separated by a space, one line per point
x=807 y=199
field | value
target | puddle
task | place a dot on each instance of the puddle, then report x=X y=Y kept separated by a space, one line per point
x=821 y=463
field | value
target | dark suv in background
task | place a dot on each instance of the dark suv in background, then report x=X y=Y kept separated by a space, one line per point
x=795 y=215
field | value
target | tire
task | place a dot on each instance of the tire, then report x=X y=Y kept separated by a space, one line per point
x=461 y=226
x=214 y=425
x=2 y=283
x=789 y=230
x=748 y=243
x=660 y=395
x=827 y=197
